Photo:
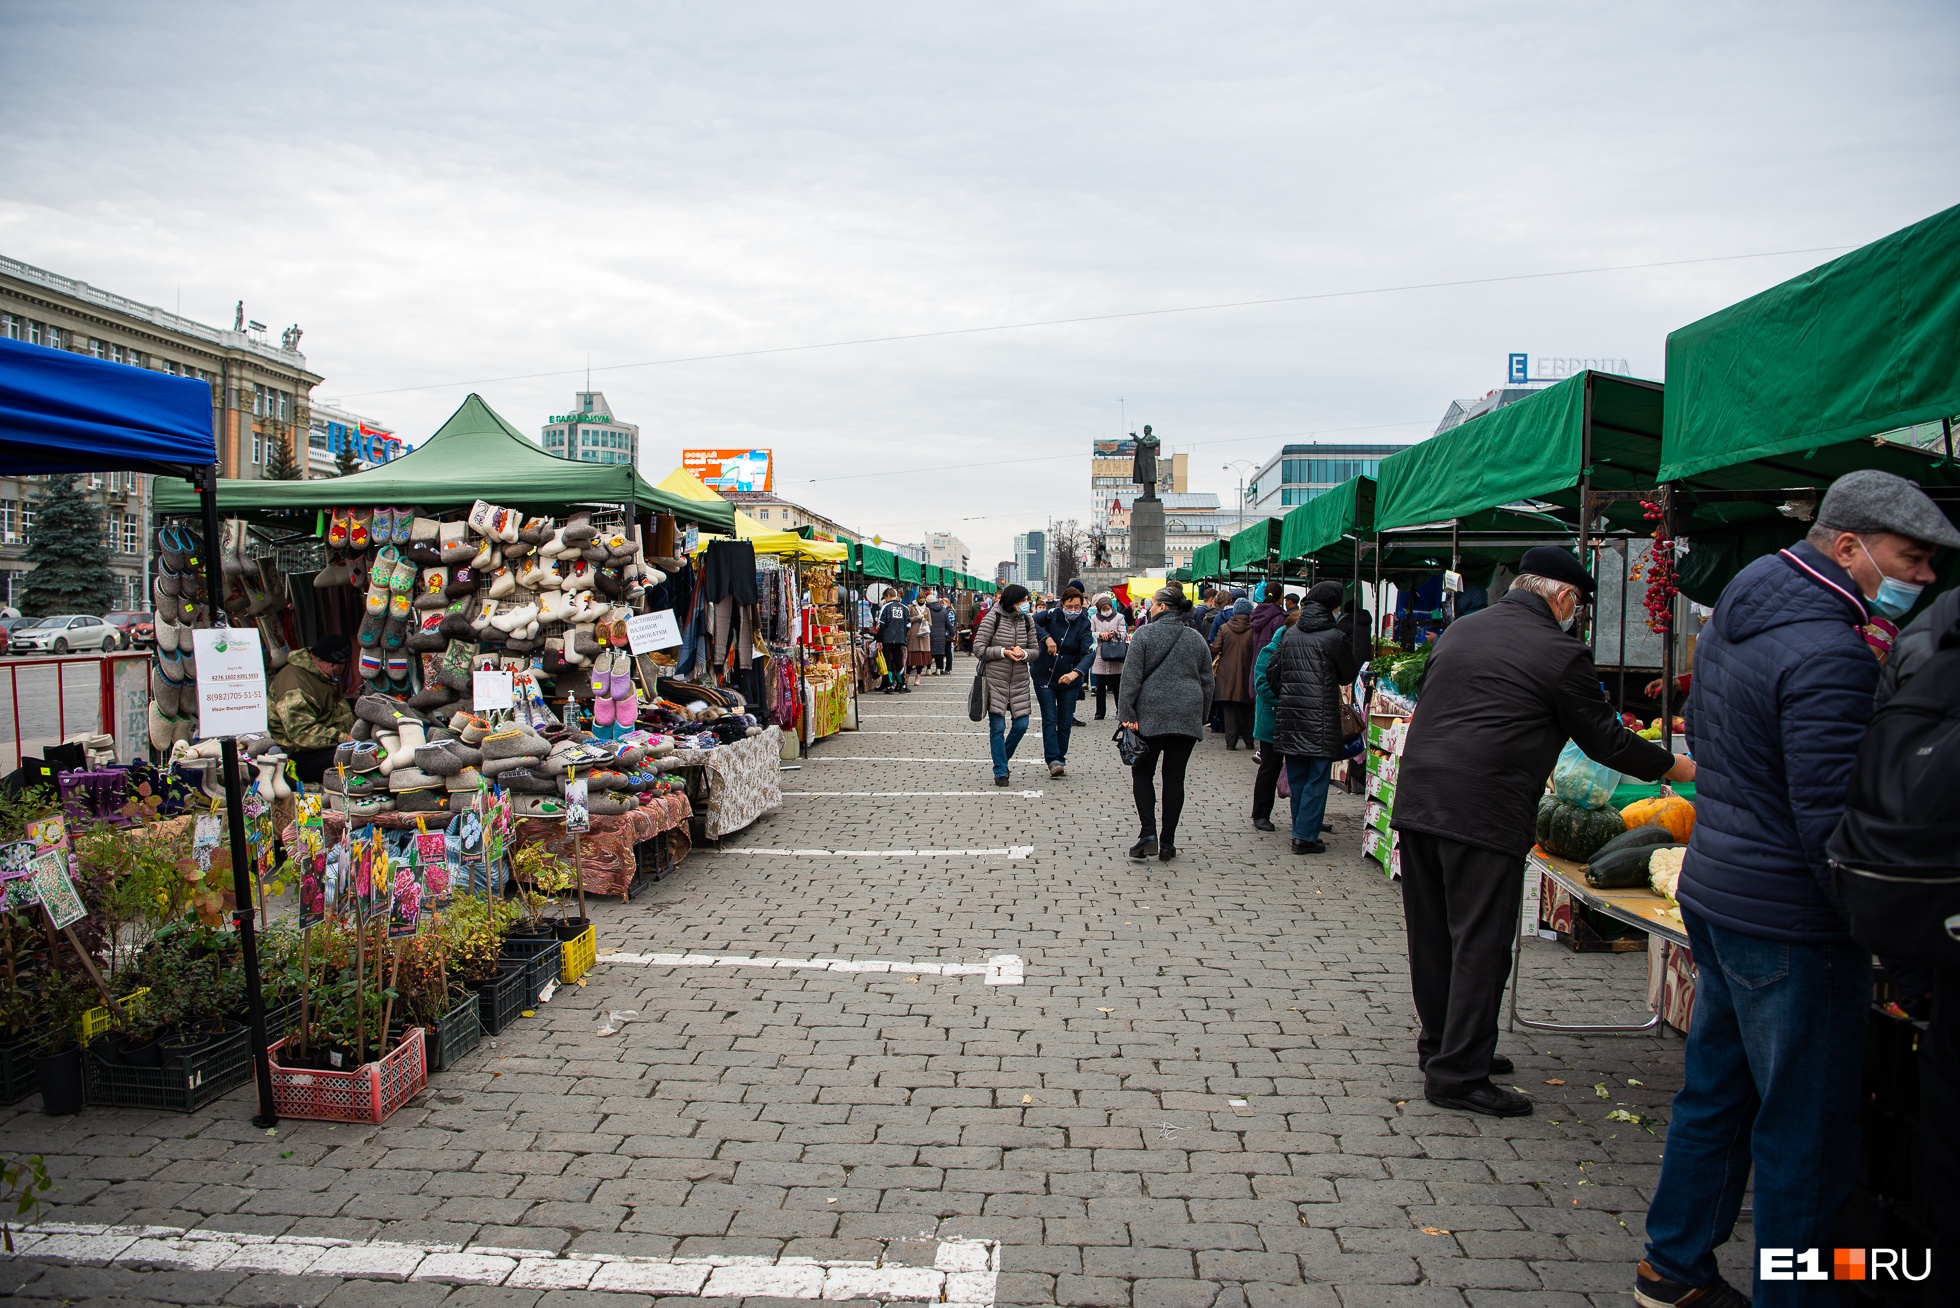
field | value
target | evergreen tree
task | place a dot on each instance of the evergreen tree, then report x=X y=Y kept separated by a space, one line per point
x=282 y=466
x=345 y=461
x=70 y=557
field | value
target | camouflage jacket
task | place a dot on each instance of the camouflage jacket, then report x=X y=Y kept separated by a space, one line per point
x=307 y=711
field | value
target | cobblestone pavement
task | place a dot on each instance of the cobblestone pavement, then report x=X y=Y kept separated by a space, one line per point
x=1084 y=1119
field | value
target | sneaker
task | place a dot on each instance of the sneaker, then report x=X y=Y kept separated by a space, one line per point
x=1144 y=848
x=1652 y=1290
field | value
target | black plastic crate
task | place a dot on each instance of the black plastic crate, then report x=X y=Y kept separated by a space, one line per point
x=457 y=1032
x=183 y=1084
x=19 y=1077
x=541 y=957
x=501 y=1001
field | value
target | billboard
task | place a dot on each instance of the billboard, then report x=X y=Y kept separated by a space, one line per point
x=731 y=470
x=1115 y=449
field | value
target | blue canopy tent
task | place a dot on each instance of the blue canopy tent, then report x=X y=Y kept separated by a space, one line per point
x=63 y=412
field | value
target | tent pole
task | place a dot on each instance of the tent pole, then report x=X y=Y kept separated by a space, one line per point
x=1626 y=580
x=1667 y=637
x=241 y=876
x=1583 y=628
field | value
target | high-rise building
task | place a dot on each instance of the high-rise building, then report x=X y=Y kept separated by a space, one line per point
x=1300 y=472
x=590 y=433
x=1191 y=518
x=1006 y=572
x=945 y=550
x=1031 y=555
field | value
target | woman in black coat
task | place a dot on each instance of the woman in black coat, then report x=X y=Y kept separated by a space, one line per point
x=1306 y=674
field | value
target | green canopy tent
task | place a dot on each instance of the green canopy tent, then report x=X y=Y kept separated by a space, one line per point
x=1773 y=398
x=1254 y=549
x=474 y=455
x=1205 y=563
x=910 y=571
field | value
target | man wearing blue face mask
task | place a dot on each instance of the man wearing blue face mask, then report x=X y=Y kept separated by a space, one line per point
x=1782 y=699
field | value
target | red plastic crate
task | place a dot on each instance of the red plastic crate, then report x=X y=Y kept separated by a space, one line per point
x=369 y=1093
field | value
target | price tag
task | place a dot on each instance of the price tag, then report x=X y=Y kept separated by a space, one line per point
x=646 y=632
x=491 y=690
x=230 y=681
x=1453 y=582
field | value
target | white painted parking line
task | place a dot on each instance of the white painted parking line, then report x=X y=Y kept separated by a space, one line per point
x=918 y=794
x=1010 y=851
x=963 y=1273
x=1000 y=970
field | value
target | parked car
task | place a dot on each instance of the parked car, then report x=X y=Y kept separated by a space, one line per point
x=139 y=630
x=63 y=634
x=7 y=624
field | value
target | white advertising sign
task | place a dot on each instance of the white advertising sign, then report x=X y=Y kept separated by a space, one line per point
x=230 y=681
x=491 y=690
x=646 y=632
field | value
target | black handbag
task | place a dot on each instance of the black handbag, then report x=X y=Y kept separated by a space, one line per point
x=976 y=698
x=1115 y=651
x=1129 y=746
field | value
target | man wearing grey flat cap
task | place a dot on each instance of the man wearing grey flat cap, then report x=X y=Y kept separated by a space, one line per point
x=1774 y=1062
x=1506 y=687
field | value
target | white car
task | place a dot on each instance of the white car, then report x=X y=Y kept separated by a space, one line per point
x=63 y=634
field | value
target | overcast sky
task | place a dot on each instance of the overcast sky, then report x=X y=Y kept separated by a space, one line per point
x=456 y=198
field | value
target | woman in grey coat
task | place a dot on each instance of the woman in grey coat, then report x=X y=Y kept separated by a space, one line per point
x=1165 y=698
x=1004 y=642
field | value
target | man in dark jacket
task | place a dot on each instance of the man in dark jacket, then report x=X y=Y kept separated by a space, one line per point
x=1061 y=671
x=1505 y=689
x=1774 y=1061
x=1305 y=675
x=942 y=634
x=894 y=624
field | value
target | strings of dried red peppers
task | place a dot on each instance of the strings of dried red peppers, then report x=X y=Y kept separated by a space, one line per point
x=1659 y=571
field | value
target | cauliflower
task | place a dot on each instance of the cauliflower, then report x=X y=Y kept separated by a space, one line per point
x=1664 y=870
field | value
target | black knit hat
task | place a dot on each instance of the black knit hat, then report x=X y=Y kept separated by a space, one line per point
x=1559 y=565
x=332 y=647
x=1327 y=594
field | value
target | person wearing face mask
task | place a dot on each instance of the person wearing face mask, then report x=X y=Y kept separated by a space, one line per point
x=1005 y=643
x=1783 y=695
x=1506 y=687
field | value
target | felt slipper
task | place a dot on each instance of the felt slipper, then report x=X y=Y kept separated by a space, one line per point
x=432 y=590
x=371 y=665
x=452 y=539
x=369 y=528
x=404 y=521
x=608 y=582
x=394 y=632
x=506 y=523
x=398 y=606
x=502 y=583
x=456 y=620
x=602 y=710
x=536 y=574
x=379 y=592
x=358 y=572
x=578 y=529
x=336 y=573
x=465 y=782
x=626 y=710
x=369 y=634
x=462 y=582
x=231 y=557
x=534 y=531
x=337 y=534
x=398 y=668
x=425 y=635
x=171 y=546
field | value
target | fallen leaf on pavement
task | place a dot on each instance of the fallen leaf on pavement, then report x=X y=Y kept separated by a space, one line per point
x=1555 y=1081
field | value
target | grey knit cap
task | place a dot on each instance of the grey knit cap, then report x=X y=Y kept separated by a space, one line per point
x=1870 y=500
x=1241 y=607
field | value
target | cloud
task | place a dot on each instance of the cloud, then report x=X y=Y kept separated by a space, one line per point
x=447 y=193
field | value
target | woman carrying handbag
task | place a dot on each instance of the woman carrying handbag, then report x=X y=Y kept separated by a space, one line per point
x=1112 y=634
x=1003 y=689
x=1165 y=698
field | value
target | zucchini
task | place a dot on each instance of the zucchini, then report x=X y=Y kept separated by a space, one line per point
x=1641 y=837
x=1623 y=869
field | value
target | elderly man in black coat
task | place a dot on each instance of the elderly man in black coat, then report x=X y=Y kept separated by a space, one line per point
x=1505 y=689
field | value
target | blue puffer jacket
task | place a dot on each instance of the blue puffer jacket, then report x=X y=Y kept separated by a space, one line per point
x=1782 y=698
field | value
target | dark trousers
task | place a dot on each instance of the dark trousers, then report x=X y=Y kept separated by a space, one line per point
x=1265 y=783
x=312 y=764
x=894 y=666
x=1461 y=905
x=1238 y=723
x=1773 y=1078
x=1176 y=753
x=1107 y=683
x=943 y=660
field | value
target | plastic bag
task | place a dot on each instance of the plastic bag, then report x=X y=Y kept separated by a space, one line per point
x=1579 y=780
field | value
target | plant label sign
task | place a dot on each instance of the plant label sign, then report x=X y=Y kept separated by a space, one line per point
x=56 y=891
x=230 y=682
x=491 y=691
x=17 y=860
x=647 y=632
x=578 y=807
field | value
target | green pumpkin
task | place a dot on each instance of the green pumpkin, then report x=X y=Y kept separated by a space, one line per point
x=1576 y=833
x=1547 y=805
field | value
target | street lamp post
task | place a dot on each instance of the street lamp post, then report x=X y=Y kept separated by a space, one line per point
x=1240 y=465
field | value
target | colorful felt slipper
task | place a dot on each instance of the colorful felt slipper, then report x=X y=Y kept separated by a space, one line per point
x=381 y=526
x=626 y=711
x=358 y=523
x=337 y=529
x=378 y=593
x=398 y=668
x=404 y=523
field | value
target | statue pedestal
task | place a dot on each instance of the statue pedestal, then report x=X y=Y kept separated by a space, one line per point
x=1146 y=535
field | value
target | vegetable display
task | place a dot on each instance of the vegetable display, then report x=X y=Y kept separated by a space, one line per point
x=1576 y=833
x=1624 y=868
x=1673 y=812
x=1664 y=869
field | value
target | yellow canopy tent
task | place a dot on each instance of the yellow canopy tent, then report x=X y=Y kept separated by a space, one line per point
x=685 y=484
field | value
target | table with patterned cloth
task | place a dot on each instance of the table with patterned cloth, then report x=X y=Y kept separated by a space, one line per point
x=605 y=855
x=738 y=783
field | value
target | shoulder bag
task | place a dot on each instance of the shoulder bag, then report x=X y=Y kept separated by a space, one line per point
x=976 y=698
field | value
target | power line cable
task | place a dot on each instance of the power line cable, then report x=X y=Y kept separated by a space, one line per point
x=1105 y=317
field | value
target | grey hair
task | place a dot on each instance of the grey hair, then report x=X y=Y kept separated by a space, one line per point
x=1545 y=588
x=1822 y=537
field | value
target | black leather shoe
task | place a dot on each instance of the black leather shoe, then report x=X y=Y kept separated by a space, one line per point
x=1501 y=1066
x=1000 y=781
x=1652 y=1290
x=1486 y=1099
x=1309 y=847
x=1144 y=848
x=1166 y=852
x=1263 y=824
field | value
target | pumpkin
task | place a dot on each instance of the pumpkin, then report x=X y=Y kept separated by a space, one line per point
x=1576 y=833
x=1672 y=812
x=1547 y=805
